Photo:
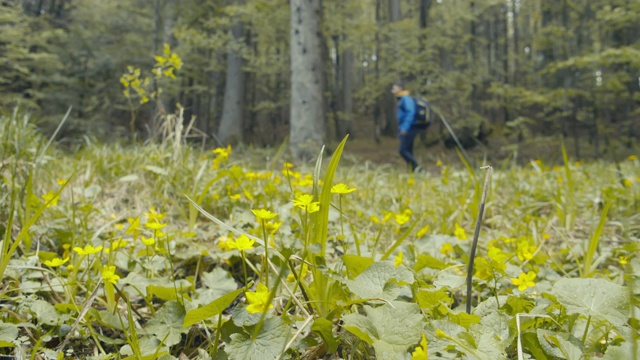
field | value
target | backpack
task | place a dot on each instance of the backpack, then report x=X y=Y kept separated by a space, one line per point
x=424 y=113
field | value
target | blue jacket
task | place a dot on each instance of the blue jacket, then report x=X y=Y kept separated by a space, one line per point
x=406 y=112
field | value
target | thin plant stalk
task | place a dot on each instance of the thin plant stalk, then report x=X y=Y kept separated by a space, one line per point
x=476 y=234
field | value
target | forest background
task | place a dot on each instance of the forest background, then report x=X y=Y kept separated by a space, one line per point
x=508 y=75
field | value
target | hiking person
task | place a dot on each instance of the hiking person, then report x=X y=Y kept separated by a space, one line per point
x=407 y=131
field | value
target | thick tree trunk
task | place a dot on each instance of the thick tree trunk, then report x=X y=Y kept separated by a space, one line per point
x=230 y=131
x=307 y=134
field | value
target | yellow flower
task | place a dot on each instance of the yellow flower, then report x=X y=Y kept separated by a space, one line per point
x=222 y=152
x=287 y=165
x=496 y=254
x=525 y=251
x=398 y=260
x=459 y=232
x=524 y=281
x=305 y=202
x=117 y=244
x=438 y=163
x=303 y=274
x=628 y=182
x=420 y=353
x=87 y=250
x=148 y=241
x=402 y=219
x=374 y=219
x=61 y=181
x=387 y=216
x=134 y=226
x=109 y=274
x=632 y=158
x=446 y=249
x=621 y=260
x=51 y=199
x=242 y=243
x=234 y=196
x=341 y=189
x=55 y=262
x=154 y=225
x=423 y=231
x=258 y=300
x=263 y=214
x=223 y=243
x=272 y=226
x=153 y=215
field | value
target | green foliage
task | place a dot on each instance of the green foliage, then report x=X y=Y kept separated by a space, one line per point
x=116 y=262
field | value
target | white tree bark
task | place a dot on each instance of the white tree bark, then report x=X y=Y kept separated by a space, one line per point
x=308 y=134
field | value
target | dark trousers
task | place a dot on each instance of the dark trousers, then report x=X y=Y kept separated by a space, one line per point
x=406 y=147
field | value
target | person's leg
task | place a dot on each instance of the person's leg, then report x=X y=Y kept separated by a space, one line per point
x=406 y=148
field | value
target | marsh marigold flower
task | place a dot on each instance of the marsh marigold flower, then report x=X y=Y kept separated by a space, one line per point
x=55 y=262
x=446 y=249
x=109 y=274
x=459 y=232
x=258 y=300
x=263 y=214
x=51 y=199
x=242 y=243
x=148 y=241
x=524 y=281
x=341 y=189
x=87 y=250
x=305 y=202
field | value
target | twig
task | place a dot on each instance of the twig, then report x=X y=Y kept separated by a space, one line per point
x=476 y=234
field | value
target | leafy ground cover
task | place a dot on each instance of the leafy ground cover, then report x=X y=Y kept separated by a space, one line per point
x=165 y=251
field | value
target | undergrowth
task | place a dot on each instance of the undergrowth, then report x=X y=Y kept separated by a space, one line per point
x=166 y=251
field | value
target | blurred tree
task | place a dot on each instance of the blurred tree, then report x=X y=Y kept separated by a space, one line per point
x=307 y=81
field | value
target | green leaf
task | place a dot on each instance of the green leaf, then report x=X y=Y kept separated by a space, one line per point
x=166 y=323
x=270 y=341
x=324 y=328
x=390 y=330
x=624 y=351
x=168 y=293
x=356 y=264
x=430 y=300
x=321 y=218
x=214 y=308
x=218 y=282
x=428 y=261
x=518 y=304
x=531 y=344
x=598 y=298
x=8 y=333
x=47 y=313
x=560 y=345
x=380 y=280
x=463 y=319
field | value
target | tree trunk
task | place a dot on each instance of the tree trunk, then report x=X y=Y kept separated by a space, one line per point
x=346 y=98
x=307 y=134
x=389 y=103
x=230 y=131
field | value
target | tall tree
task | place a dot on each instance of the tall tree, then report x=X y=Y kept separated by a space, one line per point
x=307 y=133
x=231 y=124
